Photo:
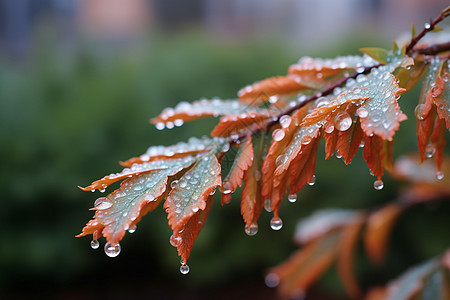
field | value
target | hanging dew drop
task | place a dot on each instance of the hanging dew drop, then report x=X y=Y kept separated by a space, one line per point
x=378 y=184
x=429 y=151
x=362 y=112
x=252 y=230
x=160 y=126
x=285 y=121
x=95 y=244
x=312 y=181
x=173 y=184
x=418 y=111
x=427 y=26
x=112 y=251
x=292 y=198
x=175 y=241
x=101 y=205
x=132 y=229
x=184 y=269
x=439 y=175
x=278 y=134
x=276 y=223
x=267 y=206
x=272 y=280
x=342 y=121
x=226 y=188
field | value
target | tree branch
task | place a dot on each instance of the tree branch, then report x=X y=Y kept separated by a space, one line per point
x=433 y=49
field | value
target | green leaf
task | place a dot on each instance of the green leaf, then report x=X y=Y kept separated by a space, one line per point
x=395 y=48
x=189 y=194
x=379 y=54
x=413 y=30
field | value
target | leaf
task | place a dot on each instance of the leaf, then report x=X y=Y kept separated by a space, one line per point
x=441 y=97
x=252 y=202
x=349 y=141
x=378 y=230
x=321 y=222
x=330 y=143
x=137 y=169
x=191 y=191
x=260 y=91
x=305 y=266
x=412 y=281
x=241 y=163
x=346 y=252
x=124 y=207
x=408 y=78
x=242 y=123
x=185 y=111
x=191 y=230
x=378 y=155
x=413 y=31
x=379 y=54
x=192 y=146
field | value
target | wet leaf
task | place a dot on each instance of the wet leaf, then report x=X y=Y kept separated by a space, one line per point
x=379 y=54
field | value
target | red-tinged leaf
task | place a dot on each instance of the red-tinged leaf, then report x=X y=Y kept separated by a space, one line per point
x=330 y=143
x=252 y=202
x=191 y=230
x=185 y=111
x=442 y=100
x=260 y=91
x=412 y=282
x=242 y=162
x=190 y=194
x=439 y=142
x=376 y=293
x=138 y=169
x=346 y=253
x=305 y=266
x=122 y=209
x=408 y=78
x=237 y=124
x=378 y=154
x=182 y=149
x=348 y=141
x=379 y=227
x=321 y=223
x=379 y=54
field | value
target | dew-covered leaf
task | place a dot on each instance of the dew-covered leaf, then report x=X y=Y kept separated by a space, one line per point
x=442 y=97
x=409 y=77
x=260 y=91
x=348 y=141
x=189 y=194
x=377 y=154
x=137 y=169
x=241 y=163
x=306 y=266
x=378 y=230
x=345 y=256
x=379 y=54
x=122 y=209
x=242 y=123
x=186 y=111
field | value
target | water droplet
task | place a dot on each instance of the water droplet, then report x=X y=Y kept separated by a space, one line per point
x=273 y=99
x=328 y=127
x=278 y=134
x=112 y=251
x=226 y=147
x=95 y=244
x=102 y=190
x=342 y=121
x=272 y=280
x=173 y=184
x=226 y=187
x=212 y=192
x=101 y=205
x=184 y=269
x=322 y=101
x=276 y=223
x=160 y=126
x=194 y=209
x=378 y=184
x=306 y=139
x=418 y=111
x=281 y=160
x=427 y=25
x=267 y=206
x=169 y=125
x=252 y=230
x=178 y=122
x=439 y=175
x=175 y=241
x=429 y=151
x=132 y=229
x=312 y=181
x=257 y=175
x=285 y=121
x=292 y=198
x=362 y=112
x=360 y=70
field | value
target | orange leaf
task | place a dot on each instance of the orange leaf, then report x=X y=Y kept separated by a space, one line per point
x=378 y=154
x=260 y=91
x=237 y=124
x=379 y=227
x=330 y=143
x=442 y=99
x=242 y=162
x=305 y=266
x=348 y=141
x=346 y=252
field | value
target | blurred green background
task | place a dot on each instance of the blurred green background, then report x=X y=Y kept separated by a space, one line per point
x=70 y=109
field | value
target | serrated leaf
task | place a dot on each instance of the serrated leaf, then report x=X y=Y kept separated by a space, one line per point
x=379 y=54
x=346 y=252
x=377 y=154
x=441 y=96
x=121 y=209
x=190 y=193
x=242 y=123
x=252 y=202
x=137 y=169
x=241 y=163
x=260 y=91
x=185 y=111
x=378 y=230
x=409 y=77
x=348 y=141
x=305 y=266
x=330 y=143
